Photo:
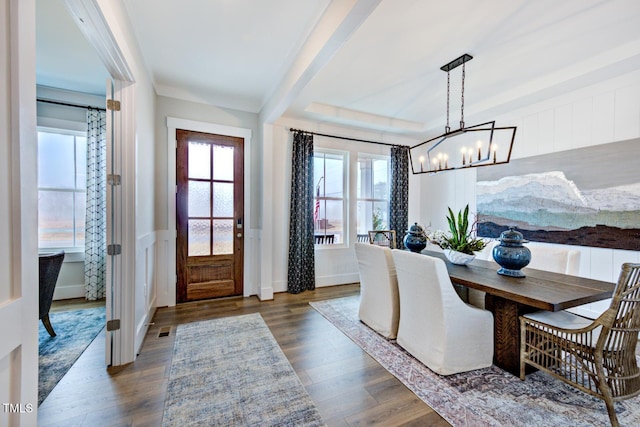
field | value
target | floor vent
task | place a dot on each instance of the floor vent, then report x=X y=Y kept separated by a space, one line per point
x=164 y=331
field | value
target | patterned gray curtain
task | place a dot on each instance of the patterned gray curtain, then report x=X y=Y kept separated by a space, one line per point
x=399 y=197
x=95 y=239
x=301 y=271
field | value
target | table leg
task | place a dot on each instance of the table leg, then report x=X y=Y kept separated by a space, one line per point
x=506 y=327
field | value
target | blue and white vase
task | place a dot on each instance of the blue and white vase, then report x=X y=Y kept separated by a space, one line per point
x=510 y=254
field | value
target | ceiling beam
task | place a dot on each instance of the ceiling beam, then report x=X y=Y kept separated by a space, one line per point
x=339 y=21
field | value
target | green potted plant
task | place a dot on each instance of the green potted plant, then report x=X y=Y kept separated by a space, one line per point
x=459 y=243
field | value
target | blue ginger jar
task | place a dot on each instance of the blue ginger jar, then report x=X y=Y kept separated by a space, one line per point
x=416 y=239
x=511 y=254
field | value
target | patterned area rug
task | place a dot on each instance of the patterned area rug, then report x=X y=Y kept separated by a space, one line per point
x=484 y=397
x=75 y=330
x=231 y=372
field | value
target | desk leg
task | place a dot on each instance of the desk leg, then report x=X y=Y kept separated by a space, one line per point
x=506 y=330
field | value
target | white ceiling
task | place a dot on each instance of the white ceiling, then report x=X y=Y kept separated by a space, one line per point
x=373 y=64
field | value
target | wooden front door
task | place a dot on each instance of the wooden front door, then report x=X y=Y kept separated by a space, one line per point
x=209 y=214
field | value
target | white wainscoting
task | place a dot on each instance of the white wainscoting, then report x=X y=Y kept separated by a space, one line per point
x=146 y=285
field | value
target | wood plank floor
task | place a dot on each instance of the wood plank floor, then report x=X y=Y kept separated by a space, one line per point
x=347 y=385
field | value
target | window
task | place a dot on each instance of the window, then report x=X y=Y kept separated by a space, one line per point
x=373 y=193
x=61 y=188
x=330 y=199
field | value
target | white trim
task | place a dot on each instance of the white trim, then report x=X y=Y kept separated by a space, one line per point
x=92 y=23
x=18 y=198
x=175 y=123
x=66 y=127
x=265 y=235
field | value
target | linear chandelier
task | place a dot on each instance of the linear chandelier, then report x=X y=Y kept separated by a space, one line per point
x=467 y=147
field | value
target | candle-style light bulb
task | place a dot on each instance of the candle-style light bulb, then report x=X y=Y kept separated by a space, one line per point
x=421 y=163
x=464 y=160
x=479 y=148
x=446 y=163
x=494 y=149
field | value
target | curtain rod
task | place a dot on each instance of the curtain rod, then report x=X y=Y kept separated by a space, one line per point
x=67 y=104
x=343 y=137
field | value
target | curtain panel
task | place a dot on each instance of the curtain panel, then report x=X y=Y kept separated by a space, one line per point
x=301 y=268
x=399 y=197
x=96 y=212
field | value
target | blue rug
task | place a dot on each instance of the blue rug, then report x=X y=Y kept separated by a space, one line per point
x=231 y=372
x=75 y=330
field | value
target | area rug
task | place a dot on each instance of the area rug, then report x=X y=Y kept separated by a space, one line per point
x=484 y=397
x=231 y=372
x=75 y=330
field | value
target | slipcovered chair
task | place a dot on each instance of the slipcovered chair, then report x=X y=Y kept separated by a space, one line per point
x=595 y=356
x=379 y=305
x=50 y=265
x=436 y=326
x=555 y=259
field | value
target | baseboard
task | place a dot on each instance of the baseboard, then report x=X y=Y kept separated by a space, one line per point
x=69 y=292
x=322 y=281
x=337 y=279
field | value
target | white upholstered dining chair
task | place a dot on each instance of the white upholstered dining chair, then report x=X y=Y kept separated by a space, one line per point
x=379 y=304
x=436 y=326
x=555 y=259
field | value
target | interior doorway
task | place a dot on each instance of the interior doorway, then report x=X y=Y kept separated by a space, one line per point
x=209 y=215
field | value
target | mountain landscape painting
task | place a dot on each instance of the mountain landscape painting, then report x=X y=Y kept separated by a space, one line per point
x=586 y=197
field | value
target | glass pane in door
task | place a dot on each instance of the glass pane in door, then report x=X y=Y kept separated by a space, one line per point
x=223 y=199
x=222 y=163
x=222 y=237
x=199 y=160
x=199 y=237
x=199 y=199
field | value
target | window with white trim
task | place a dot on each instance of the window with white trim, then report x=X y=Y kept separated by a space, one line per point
x=61 y=188
x=330 y=197
x=373 y=193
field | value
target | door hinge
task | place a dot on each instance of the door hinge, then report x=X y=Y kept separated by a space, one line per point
x=113 y=325
x=113 y=179
x=113 y=105
x=114 y=249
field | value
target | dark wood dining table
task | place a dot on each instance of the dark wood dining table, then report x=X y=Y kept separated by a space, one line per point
x=509 y=297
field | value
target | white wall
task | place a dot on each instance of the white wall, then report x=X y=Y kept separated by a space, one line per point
x=334 y=265
x=603 y=113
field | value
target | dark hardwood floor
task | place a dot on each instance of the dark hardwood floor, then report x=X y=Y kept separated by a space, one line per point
x=347 y=385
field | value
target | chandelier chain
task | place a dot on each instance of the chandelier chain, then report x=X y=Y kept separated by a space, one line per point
x=462 y=100
x=447 y=128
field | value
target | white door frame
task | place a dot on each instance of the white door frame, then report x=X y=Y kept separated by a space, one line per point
x=18 y=215
x=120 y=343
x=167 y=293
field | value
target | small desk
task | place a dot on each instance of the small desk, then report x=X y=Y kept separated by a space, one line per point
x=509 y=297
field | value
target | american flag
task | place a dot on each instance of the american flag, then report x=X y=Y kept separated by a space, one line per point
x=316 y=211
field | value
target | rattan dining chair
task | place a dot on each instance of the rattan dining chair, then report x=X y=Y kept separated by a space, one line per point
x=595 y=356
x=383 y=238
